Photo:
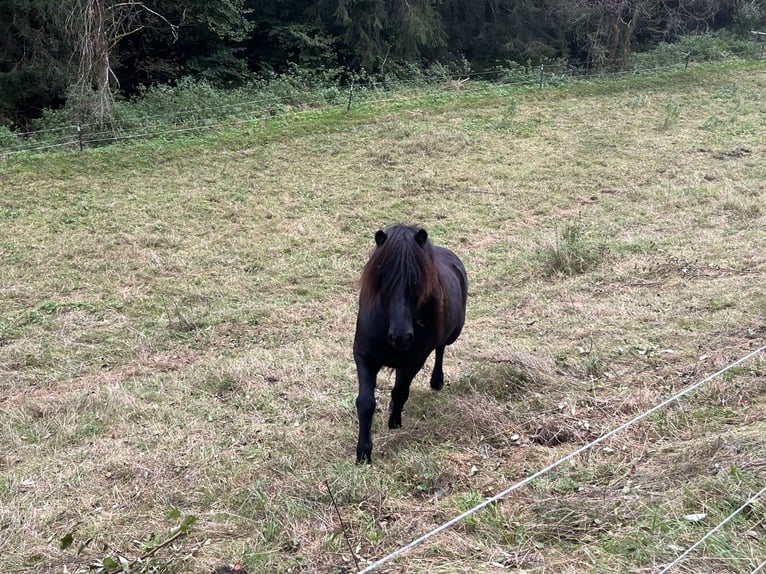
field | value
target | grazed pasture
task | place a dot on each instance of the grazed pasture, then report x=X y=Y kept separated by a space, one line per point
x=176 y=322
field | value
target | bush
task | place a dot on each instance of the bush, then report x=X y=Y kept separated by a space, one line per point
x=521 y=74
x=9 y=141
x=712 y=47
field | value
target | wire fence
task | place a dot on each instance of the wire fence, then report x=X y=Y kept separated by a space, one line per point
x=710 y=533
x=505 y=493
x=211 y=113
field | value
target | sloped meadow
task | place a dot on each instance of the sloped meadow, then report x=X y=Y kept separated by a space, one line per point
x=176 y=323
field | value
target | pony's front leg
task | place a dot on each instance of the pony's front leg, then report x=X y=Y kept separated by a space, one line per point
x=365 y=409
x=399 y=396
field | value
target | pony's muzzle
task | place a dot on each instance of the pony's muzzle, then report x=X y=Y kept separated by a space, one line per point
x=401 y=341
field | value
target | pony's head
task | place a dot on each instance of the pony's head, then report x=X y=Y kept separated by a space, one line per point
x=401 y=279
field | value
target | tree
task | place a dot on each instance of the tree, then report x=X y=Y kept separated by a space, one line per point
x=287 y=34
x=488 y=31
x=100 y=25
x=35 y=57
x=92 y=83
x=209 y=44
x=604 y=30
x=372 y=31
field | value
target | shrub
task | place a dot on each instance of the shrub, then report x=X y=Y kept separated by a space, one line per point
x=712 y=47
x=8 y=139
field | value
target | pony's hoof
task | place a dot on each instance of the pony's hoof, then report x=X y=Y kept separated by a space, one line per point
x=365 y=458
x=394 y=423
x=437 y=383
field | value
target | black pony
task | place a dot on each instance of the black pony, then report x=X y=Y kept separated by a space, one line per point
x=412 y=301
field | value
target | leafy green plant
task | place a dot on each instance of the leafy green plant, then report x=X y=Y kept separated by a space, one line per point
x=8 y=139
x=467 y=501
x=144 y=557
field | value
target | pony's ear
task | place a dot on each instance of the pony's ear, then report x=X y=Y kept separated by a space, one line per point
x=380 y=237
x=421 y=237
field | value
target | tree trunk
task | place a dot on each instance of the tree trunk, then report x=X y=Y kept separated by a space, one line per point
x=87 y=23
x=100 y=68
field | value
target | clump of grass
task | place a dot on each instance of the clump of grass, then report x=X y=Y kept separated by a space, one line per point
x=501 y=377
x=670 y=118
x=742 y=209
x=572 y=253
x=711 y=123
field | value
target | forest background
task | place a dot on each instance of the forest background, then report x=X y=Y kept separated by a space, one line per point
x=76 y=58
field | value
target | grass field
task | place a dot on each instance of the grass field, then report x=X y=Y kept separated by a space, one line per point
x=176 y=323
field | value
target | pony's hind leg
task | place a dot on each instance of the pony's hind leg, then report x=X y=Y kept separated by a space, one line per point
x=437 y=377
x=399 y=396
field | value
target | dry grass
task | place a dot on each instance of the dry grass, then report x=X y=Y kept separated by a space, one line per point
x=176 y=325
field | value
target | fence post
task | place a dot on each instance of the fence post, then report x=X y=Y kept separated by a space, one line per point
x=542 y=68
x=79 y=136
x=350 y=94
x=686 y=63
x=759 y=38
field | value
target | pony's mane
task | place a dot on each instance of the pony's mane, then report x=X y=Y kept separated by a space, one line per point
x=401 y=266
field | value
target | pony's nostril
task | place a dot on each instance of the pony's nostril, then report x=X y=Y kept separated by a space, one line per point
x=400 y=340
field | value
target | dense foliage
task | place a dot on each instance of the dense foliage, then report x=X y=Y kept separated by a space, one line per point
x=57 y=51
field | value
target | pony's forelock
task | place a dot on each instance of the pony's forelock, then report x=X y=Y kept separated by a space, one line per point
x=400 y=265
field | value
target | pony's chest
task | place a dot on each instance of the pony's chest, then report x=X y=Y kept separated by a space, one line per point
x=371 y=342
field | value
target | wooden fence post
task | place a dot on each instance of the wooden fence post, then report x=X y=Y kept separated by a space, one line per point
x=350 y=94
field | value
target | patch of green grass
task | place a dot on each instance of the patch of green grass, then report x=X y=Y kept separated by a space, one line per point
x=466 y=502
x=502 y=381
x=643 y=246
x=712 y=122
x=720 y=303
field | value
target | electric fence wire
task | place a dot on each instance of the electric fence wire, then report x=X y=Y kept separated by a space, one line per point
x=504 y=493
x=233 y=120
x=720 y=525
x=265 y=109
x=108 y=136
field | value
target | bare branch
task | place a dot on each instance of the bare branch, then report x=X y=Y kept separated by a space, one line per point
x=141 y=5
x=99 y=26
